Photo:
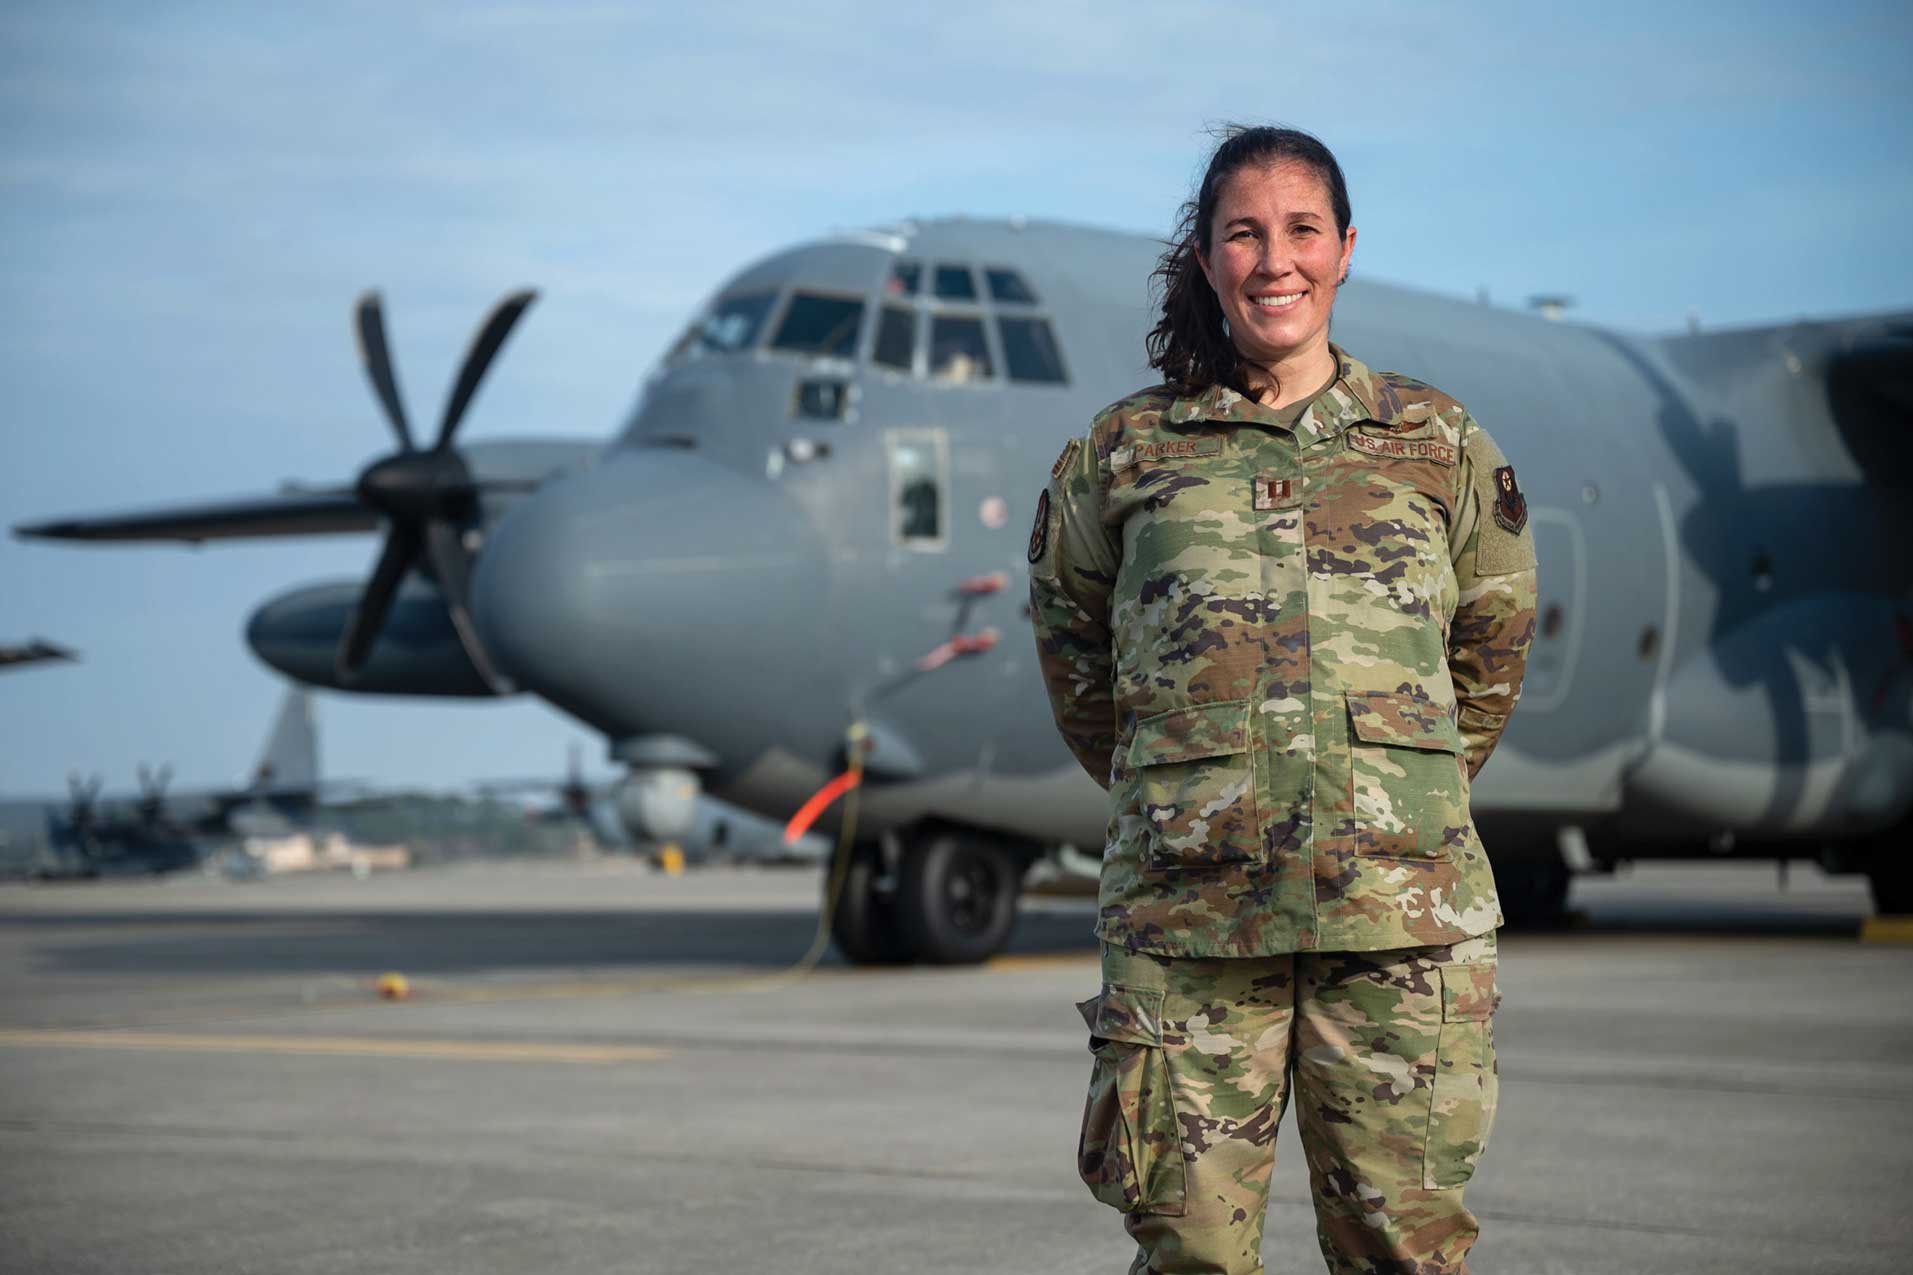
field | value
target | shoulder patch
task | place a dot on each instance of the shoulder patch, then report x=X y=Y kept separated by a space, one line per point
x=1039 y=534
x=1062 y=462
x=1511 y=507
x=1505 y=543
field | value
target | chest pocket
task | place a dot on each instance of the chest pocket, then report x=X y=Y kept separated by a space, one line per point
x=1188 y=528
x=1377 y=530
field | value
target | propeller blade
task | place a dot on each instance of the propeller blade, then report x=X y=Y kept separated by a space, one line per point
x=497 y=327
x=453 y=567
x=401 y=550
x=377 y=359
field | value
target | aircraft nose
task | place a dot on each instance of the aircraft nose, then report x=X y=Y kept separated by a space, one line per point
x=636 y=593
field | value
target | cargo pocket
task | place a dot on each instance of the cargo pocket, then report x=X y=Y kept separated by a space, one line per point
x=1196 y=786
x=1466 y=1089
x=1406 y=776
x=1130 y=1151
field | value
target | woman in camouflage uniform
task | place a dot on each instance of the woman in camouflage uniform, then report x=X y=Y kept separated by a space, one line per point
x=1282 y=604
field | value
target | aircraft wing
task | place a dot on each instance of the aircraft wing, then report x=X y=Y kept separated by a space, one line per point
x=33 y=652
x=294 y=512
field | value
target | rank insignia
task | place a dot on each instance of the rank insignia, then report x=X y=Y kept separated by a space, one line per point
x=1276 y=493
x=1039 y=534
x=1511 y=507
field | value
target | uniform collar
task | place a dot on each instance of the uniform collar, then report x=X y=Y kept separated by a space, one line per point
x=1356 y=395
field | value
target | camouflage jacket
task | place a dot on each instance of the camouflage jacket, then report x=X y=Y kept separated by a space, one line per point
x=1285 y=653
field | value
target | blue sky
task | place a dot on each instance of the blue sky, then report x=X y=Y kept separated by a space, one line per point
x=191 y=195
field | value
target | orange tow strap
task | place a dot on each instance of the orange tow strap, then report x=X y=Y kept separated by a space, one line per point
x=819 y=802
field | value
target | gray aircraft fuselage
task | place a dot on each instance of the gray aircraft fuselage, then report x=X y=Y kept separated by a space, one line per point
x=780 y=534
x=1719 y=584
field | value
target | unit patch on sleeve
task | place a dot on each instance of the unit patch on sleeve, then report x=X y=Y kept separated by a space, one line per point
x=1442 y=453
x=1511 y=507
x=1039 y=534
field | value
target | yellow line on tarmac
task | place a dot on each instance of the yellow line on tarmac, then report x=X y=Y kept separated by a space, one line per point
x=1887 y=929
x=337 y=1046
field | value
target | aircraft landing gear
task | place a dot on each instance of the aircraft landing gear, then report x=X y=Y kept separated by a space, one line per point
x=944 y=896
x=956 y=895
x=864 y=923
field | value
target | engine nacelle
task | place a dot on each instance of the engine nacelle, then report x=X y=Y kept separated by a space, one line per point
x=417 y=652
x=659 y=803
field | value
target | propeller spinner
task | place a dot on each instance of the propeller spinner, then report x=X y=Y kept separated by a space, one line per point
x=425 y=495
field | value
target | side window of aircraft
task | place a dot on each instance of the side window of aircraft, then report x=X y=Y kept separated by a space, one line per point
x=905 y=277
x=822 y=400
x=958 y=351
x=955 y=283
x=919 y=468
x=896 y=338
x=732 y=324
x=820 y=325
x=1030 y=353
x=1007 y=285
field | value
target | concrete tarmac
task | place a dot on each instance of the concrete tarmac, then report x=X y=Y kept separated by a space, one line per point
x=598 y=1072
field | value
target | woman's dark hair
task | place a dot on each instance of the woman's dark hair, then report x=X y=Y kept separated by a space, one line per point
x=1189 y=345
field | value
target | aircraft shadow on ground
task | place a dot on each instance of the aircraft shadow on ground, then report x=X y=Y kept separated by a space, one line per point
x=438 y=943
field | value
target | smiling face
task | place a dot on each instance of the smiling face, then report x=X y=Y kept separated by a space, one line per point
x=1275 y=262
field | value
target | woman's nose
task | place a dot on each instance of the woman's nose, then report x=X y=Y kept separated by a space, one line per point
x=1275 y=259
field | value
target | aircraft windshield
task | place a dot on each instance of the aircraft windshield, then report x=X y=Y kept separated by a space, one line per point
x=732 y=324
x=820 y=325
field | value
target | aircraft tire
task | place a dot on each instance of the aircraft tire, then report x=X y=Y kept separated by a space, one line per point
x=956 y=895
x=864 y=923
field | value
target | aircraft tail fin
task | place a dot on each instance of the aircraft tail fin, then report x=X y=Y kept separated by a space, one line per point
x=290 y=762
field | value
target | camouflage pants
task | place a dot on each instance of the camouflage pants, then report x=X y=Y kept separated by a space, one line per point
x=1391 y=1059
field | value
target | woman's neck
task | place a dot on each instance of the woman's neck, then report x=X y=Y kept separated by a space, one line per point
x=1290 y=379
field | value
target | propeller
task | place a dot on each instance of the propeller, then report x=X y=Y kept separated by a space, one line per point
x=82 y=809
x=576 y=793
x=152 y=792
x=427 y=496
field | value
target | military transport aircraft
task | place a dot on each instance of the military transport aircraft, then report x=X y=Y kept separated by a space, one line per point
x=817 y=512
x=160 y=831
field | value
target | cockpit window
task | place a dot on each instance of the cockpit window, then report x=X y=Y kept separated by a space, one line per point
x=905 y=277
x=732 y=324
x=896 y=338
x=955 y=283
x=1007 y=285
x=820 y=325
x=1030 y=353
x=958 y=351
